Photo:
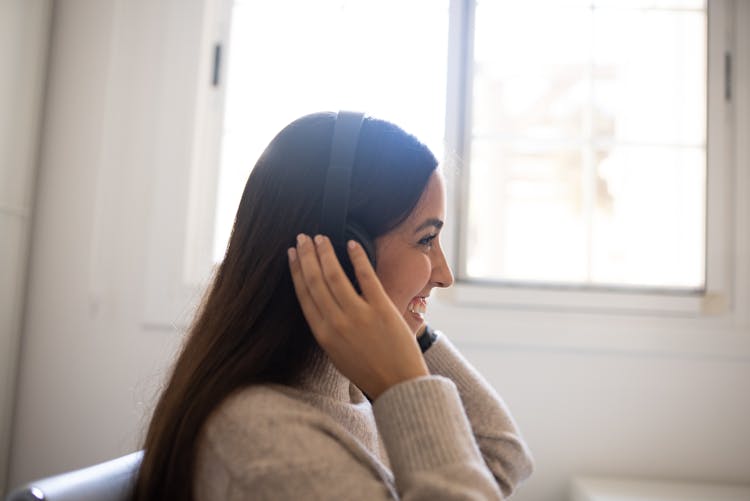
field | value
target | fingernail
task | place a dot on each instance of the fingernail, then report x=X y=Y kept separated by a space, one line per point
x=351 y=244
x=292 y=253
x=319 y=239
x=301 y=238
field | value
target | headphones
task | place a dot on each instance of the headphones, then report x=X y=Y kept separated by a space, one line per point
x=333 y=221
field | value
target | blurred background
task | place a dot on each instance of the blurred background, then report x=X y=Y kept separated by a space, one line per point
x=596 y=154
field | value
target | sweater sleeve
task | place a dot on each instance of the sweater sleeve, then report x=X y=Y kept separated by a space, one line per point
x=430 y=444
x=498 y=438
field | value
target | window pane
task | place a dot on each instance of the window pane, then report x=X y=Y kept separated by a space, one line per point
x=288 y=58
x=650 y=88
x=529 y=70
x=525 y=214
x=587 y=161
x=649 y=225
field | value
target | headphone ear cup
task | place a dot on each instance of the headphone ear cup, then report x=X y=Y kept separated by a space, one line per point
x=355 y=232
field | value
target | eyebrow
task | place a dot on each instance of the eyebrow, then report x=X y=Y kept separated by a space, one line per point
x=437 y=223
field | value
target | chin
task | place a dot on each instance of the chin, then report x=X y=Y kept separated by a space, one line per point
x=413 y=322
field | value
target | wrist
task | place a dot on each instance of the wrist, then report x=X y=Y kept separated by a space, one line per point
x=408 y=373
x=427 y=338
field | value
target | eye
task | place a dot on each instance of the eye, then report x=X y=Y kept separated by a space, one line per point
x=428 y=241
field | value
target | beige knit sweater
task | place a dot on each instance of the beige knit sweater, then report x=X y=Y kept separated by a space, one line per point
x=439 y=437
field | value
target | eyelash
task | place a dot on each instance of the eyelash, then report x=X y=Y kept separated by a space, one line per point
x=428 y=241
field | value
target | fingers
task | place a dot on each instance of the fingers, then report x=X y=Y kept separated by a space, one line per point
x=326 y=295
x=341 y=288
x=314 y=279
x=306 y=302
x=371 y=287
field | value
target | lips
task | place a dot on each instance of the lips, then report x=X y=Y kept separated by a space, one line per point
x=418 y=306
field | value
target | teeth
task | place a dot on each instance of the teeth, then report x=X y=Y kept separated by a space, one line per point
x=418 y=305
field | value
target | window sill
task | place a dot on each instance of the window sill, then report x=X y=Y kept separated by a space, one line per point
x=611 y=323
x=585 y=300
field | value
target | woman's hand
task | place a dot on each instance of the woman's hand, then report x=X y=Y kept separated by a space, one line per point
x=365 y=337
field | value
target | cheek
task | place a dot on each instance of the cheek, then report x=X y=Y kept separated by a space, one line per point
x=422 y=273
x=405 y=279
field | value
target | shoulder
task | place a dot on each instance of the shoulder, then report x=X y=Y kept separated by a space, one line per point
x=263 y=432
x=263 y=423
x=254 y=411
x=258 y=402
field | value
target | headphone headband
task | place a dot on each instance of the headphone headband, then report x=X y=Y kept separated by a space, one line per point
x=338 y=179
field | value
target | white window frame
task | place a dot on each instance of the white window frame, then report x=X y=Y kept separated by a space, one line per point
x=717 y=299
x=181 y=229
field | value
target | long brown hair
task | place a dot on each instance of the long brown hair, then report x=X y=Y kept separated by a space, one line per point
x=250 y=328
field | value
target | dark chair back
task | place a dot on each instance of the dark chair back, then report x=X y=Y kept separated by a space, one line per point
x=109 y=481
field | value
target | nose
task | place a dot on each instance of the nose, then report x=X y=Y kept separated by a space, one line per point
x=442 y=276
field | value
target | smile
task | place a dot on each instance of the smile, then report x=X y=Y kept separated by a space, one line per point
x=418 y=305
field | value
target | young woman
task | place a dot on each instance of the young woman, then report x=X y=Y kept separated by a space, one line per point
x=294 y=384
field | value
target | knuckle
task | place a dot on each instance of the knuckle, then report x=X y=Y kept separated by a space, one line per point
x=365 y=280
x=331 y=276
x=358 y=257
x=339 y=323
x=314 y=280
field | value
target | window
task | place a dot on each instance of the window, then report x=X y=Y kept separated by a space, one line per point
x=586 y=155
x=586 y=144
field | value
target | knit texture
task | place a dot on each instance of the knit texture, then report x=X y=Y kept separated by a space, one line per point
x=438 y=437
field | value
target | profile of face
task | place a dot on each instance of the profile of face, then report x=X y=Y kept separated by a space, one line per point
x=410 y=259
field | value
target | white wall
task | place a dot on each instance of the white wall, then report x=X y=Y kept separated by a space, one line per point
x=647 y=413
x=89 y=368
x=591 y=394
x=24 y=34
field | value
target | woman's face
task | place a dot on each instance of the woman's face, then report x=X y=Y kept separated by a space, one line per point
x=410 y=260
